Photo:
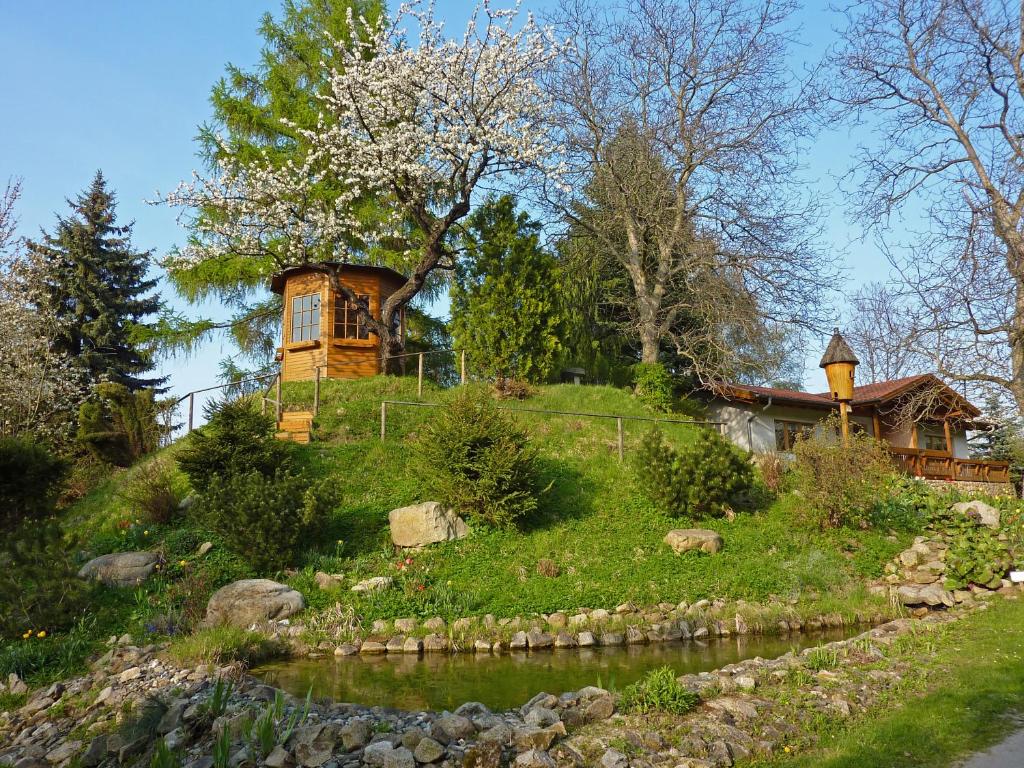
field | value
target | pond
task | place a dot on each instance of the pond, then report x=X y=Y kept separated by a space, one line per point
x=444 y=681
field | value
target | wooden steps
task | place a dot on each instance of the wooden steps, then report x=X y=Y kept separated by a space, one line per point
x=295 y=426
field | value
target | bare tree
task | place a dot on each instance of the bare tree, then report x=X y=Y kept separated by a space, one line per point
x=680 y=121
x=880 y=332
x=941 y=84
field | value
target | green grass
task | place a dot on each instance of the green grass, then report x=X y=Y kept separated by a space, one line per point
x=966 y=684
x=220 y=645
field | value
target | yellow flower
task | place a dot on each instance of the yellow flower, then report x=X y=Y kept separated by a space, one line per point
x=145 y=533
x=27 y=635
x=158 y=566
x=41 y=634
x=183 y=563
x=787 y=749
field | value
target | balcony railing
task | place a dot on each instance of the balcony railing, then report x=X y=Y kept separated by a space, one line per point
x=939 y=465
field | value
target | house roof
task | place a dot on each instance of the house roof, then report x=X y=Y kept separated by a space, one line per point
x=278 y=280
x=868 y=394
x=838 y=351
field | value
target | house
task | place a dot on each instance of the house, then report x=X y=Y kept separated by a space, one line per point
x=924 y=422
x=322 y=330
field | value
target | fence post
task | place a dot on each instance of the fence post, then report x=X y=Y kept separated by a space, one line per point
x=419 y=382
x=462 y=376
x=279 y=408
x=618 y=428
x=191 y=408
x=316 y=392
x=383 y=419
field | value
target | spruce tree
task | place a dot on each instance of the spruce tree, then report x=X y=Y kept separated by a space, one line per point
x=96 y=286
x=506 y=311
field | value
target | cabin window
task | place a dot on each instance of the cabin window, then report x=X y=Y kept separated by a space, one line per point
x=306 y=317
x=935 y=443
x=787 y=432
x=347 y=322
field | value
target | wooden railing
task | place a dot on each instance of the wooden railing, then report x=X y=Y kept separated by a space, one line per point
x=939 y=465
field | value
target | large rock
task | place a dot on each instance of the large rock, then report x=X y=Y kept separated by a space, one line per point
x=423 y=524
x=932 y=595
x=121 y=569
x=250 y=601
x=984 y=513
x=700 y=539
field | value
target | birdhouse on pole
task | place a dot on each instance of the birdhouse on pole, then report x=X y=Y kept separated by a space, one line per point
x=839 y=363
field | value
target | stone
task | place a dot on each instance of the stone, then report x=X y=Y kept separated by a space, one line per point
x=483 y=754
x=400 y=757
x=396 y=644
x=481 y=646
x=279 y=757
x=985 y=514
x=63 y=752
x=412 y=645
x=537 y=639
x=374 y=584
x=558 y=620
x=370 y=647
x=529 y=737
x=251 y=601
x=313 y=745
x=612 y=758
x=121 y=569
x=435 y=624
x=613 y=638
x=601 y=708
x=205 y=547
x=599 y=616
x=376 y=753
x=435 y=644
x=564 y=640
x=428 y=751
x=427 y=523
x=356 y=734
x=328 y=580
x=406 y=626
x=586 y=640
x=699 y=539
x=534 y=758
x=541 y=717
x=634 y=636
x=96 y=752
x=173 y=717
x=455 y=727
x=700 y=633
x=931 y=594
x=518 y=642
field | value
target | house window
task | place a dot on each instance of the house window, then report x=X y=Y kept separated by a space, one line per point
x=306 y=317
x=347 y=322
x=787 y=432
x=935 y=443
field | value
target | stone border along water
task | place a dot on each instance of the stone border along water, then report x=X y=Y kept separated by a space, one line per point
x=75 y=722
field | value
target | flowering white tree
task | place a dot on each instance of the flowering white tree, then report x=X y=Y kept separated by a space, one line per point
x=408 y=131
x=40 y=389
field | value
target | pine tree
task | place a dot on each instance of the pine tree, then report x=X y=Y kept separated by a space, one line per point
x=505 y=301
x=96 y=287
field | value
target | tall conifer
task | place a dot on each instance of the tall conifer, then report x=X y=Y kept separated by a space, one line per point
x=96 y=286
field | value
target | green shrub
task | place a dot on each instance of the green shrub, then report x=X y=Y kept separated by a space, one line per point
x=975 y=555
x=30 y=479
x=236 y=440
x=118 y=425
x=653 y=385
x=224 y=644
x=704 y=479
x=266 y=519
x=153 y=493
x=840 y=482
x=820 y=658
x=478 y=462
x=658 y=691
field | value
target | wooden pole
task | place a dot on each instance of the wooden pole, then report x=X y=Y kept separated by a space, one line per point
x=419 y=375
x=844 y=420
x=316 y=392
x=463 y=367
x=877 y=424
x=913 y=435
x=383 y=419
x=278 y=410
x=949 y=436
x=191 y=408
x=618 y=428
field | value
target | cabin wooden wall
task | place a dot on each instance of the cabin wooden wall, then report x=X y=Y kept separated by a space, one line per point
x=300 y=359
x=355 y=358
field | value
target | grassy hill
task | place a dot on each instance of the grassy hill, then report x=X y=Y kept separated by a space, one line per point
x=603 y=535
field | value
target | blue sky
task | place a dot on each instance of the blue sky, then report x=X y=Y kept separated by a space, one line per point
x=121 y=86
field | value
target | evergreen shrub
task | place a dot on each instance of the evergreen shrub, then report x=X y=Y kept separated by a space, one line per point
x=265 y=519
x=476 y=461
x=706 y=478
x=30 y=480
x=236 y=440
x=118 y=425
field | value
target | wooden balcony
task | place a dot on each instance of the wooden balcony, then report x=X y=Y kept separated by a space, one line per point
x=939 y=465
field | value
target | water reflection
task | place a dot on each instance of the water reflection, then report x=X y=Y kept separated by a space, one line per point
x=443 y=681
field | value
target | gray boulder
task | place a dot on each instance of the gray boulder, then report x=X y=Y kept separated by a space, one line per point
x=985 y=514
x=423 y=524
x=251 y=601
x=699 y=539
x=121 y=569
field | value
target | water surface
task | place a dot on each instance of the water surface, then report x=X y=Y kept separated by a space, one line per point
x=444 y=681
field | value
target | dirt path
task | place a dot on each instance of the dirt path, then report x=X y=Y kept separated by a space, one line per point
x=1009 y=753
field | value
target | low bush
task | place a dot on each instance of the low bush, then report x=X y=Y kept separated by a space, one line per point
x=840 y=481
x=706 y=478
x=476 y=460
x=119 y=425
x=154 y=493
x=224 y=644
x=658 y=691
x=265 y=519
x=30 y=479
x=820 y=658
x=653 y=386
x=976 y=555
x=236 y=440
x=773 y=470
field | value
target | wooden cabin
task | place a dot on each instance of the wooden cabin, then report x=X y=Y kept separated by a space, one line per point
x=321 y=329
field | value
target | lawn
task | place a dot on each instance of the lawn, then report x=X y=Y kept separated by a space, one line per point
x=968 y=692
